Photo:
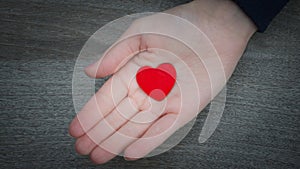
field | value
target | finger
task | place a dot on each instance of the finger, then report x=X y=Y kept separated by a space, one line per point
x=106 y=127
x=117 y=142
x=115 y=57
x=99 y=106
x=100 y=156
x=154 y=136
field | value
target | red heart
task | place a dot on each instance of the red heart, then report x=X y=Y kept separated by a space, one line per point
x=157 y=82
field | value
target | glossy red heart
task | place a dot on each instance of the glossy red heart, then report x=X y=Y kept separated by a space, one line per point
x=157 y=82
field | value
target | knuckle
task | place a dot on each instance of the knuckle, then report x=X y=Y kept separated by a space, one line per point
x=130 y=131
x=139 y=100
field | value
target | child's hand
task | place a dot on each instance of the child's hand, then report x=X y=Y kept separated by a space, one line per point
x=121 y=117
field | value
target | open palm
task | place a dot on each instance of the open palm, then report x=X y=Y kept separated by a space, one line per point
x=120 y=117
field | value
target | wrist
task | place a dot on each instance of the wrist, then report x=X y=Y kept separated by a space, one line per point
x=225 y=25
x=224 y=15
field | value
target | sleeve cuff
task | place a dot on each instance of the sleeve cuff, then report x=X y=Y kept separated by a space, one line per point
x=261 y=12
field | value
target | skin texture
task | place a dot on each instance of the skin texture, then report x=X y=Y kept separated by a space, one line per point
x=120 y=117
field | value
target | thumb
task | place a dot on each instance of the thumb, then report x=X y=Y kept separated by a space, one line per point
x=115 y=57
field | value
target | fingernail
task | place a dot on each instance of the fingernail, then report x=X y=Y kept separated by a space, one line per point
x=90 y=65
x=130 y=159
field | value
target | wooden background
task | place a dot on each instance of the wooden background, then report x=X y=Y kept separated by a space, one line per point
x=40 y=41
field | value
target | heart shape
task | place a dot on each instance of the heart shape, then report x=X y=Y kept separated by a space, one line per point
x=157 y=82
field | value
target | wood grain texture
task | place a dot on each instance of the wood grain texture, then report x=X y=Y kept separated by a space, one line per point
x=40 y=41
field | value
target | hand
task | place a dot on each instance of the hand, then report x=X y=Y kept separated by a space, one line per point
x=121 y=117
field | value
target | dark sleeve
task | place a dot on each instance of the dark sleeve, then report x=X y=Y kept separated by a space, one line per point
x=261 y=12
